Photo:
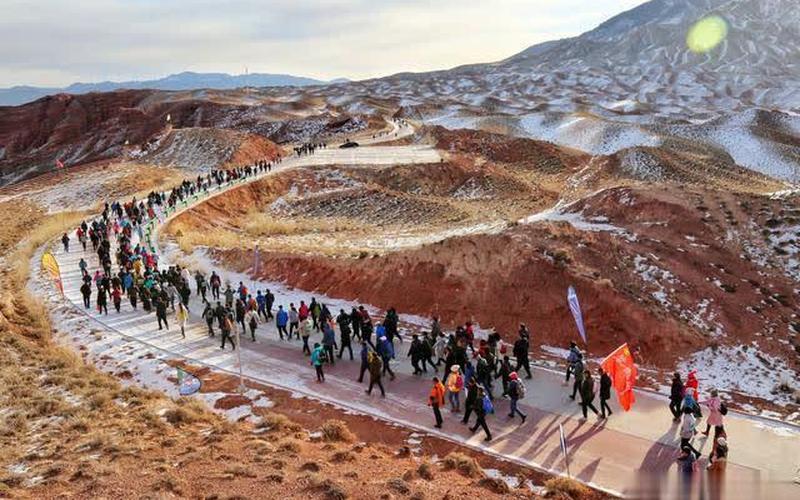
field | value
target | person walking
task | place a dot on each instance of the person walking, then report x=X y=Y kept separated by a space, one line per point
x=86 y=292
x=521 y=347
x=305 y=332
x=227 y=326
x=329 y=341
x=436 y=400
x=577 y=370
x=182 y=317
x=281 y=320
x=605 y=392
x=251 y=318
x=102 y=300
x=587 y=394
x=65 y=242
x=676 y=397
x=261 y=304
x=716 y=411
x=455 y=382
x=317 y=358
x=161 y=313
x=504 y=374
x=208 y=315
x=574 y=355
x=481 y=406
x=415 y=353
x=343 y=320
x=294 y=322
x=688 y=430
x=364 y=361
x=375 y=372
x=472 y=394
x=516 y=391
x=386 y=351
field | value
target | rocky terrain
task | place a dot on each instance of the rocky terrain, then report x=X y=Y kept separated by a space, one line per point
x=691 y=260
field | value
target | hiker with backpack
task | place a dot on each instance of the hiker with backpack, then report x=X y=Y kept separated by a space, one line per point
x=317 y=359
x=482 y=406
x=375 y=372
x=516 y=391
x=574 y=355
x=455 y=382
x=504 y=373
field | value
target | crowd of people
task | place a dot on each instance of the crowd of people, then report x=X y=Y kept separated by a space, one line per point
x=471 y=367
x=309 y=148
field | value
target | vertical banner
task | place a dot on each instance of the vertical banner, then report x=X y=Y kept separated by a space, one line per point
x=575 y=307
x=50 y=264
x=623 y=372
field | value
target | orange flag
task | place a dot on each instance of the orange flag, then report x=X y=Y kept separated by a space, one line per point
x=620 y=367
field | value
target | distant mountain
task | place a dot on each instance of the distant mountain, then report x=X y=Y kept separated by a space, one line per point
x=182 y=81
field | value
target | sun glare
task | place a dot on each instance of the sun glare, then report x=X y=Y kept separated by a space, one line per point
x=706 y=34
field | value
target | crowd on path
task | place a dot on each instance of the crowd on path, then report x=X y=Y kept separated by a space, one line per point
x=470 y=367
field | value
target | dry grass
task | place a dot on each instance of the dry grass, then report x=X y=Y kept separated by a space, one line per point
x=260 y=225
x=328 y=488
x=277 y=422
x=336 y=431
x=465 y=465
x=562 y=487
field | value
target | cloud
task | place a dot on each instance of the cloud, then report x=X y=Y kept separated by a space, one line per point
x=56 y=42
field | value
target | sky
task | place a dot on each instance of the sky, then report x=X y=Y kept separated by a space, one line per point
x=58 y=42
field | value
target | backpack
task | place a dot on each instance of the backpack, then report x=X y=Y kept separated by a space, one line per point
x=487 y=405
x=520 y=389
x=723 y=410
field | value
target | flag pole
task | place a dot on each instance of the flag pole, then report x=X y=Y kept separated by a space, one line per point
x=563 y=440
x=241 y=387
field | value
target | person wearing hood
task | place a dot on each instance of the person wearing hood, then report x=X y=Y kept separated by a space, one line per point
x=355 y=322
x=693 y=385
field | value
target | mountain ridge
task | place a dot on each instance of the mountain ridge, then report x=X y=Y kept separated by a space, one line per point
x=186 y=80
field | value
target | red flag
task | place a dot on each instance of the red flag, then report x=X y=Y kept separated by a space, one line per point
x=620 y=367
x=59 y=164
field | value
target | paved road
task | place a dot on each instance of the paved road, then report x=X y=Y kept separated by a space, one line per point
x=631 y=453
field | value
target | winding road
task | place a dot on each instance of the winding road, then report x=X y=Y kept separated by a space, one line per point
x=630 y=454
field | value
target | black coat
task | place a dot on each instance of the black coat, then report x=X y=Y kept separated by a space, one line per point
x=605 y=386
x=587 y=390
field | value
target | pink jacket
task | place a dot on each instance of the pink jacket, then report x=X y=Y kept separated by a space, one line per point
x=714 y=415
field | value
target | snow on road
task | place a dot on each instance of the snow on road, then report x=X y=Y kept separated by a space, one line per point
x=602 y=454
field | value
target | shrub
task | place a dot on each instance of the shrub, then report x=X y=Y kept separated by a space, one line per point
x=465 y=465
x=565 y=487
x=336 y=430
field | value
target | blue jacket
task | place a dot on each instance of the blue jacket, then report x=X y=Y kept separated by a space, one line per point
x=261 y=300
x=315 y=356
x=282 y=318
x=328 y=336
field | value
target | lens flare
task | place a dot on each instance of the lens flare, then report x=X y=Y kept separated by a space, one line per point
x=706 y=34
